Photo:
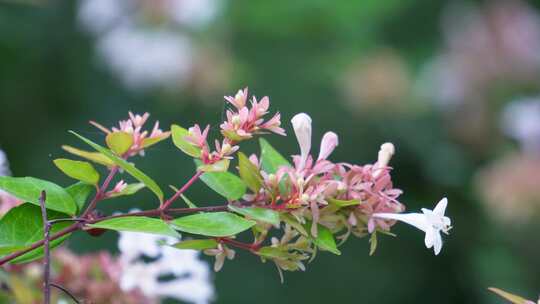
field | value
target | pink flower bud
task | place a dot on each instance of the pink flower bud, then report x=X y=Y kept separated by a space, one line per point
x=302 y=128
x=328 y=144
x=239 y=100
x=385 y=154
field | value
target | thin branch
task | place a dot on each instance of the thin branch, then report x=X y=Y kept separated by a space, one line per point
x=246 y=246
x=63 y=289
x=100 y=194
x=69 y=219
x=80 y=224
x=158 y=212
x=46 y=252
x=182 y=190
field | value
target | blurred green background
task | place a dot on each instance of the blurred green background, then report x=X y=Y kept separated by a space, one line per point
x=433 y=77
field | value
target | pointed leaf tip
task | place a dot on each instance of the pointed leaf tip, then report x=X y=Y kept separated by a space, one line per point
x=128 y=167
x=80 y=170
x=271 y=159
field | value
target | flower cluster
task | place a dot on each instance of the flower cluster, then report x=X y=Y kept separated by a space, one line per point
x=139 y=138
x=328 y=194
x=317 y=194
x=198 y=139
x=243 y=122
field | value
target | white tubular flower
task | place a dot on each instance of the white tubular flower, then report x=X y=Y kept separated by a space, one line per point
x=302 y=128
x=432 y=222
x=328 y=143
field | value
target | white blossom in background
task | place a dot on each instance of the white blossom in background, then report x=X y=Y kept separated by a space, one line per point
x=145 y=262
x=4 y=165
x=193 y=13
x=147 y=58
x=482 y=44
x=147 y=43
x=521 y=121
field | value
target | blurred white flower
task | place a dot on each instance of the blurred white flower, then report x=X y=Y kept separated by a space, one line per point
x=4 y=165
x=146 y=42
x=162 y=271
x=147 y=58
x=99 y=15
x=193 y=13
x=521 y=121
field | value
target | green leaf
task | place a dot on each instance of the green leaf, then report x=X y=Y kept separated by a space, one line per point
x=325 y=239
x=150 y=141
x=271 y=160
x=249 y=173
x=80 y=170
x=226 y=184
x=275 y=253
x=217 y=224
x=373 y=243
x=344 y=203
x=510 y=297
x=129 y=168
x=23 y=225
x=129 y=190
x=178 y=137
x=291 y=220
x=188 y=201
x=196 y=244
x=257 y=213
x=93 y=156
x=29 y=189
x=219 y=166
x=38 y=253
x=137 y=224
x=80 y=192
x=119 y=142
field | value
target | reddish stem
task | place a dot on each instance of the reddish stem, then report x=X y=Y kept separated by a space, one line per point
x=100 y=194
x=246 y=246
x=181 y=190
x=39 y=243
x=79 y=225
x=159 y=212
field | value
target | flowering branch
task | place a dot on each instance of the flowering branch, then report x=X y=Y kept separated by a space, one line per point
x=311 y=201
